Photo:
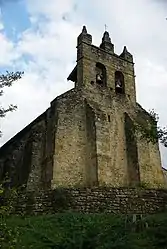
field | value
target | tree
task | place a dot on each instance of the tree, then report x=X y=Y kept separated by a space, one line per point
x=6 y=80
x=161 y=132
x=154 y=132
x=8 y=237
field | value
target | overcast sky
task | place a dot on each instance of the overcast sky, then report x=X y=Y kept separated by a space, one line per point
x=39 y=37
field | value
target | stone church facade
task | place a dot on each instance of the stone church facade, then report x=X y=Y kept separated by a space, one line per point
x=86 y=136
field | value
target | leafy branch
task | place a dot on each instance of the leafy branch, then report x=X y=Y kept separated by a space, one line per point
x=153 y=133
x=6 y=80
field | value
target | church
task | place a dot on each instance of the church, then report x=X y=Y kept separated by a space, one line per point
x=86 y=137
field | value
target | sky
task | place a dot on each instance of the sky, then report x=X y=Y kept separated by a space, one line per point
x=39 y=37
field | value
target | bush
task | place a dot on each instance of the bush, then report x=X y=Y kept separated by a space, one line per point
x=8 y=236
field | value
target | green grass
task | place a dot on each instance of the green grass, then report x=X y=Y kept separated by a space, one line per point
x=83 y=231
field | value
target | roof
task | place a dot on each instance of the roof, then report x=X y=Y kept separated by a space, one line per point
x=73 y=75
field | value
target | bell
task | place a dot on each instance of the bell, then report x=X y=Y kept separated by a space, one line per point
x=118 y=85
x=98 y=77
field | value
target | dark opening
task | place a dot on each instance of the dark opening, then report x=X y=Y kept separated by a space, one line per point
x=100 y=74
x=119 y=82
x=109 y=119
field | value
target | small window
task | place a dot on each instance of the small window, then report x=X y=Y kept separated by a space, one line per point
x=119 y=82
x=109 y=119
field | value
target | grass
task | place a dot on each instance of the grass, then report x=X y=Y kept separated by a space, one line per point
x=88 y=231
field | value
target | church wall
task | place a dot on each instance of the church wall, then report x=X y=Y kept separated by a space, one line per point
x=112 y=163
x=151 y=174
x=35 y=180
x=70 y=154
x=85 y=143
x=12 y=158
x=87 y=148
x=131 y=151
x=155 y=161
x=91 y=147
x=21 y=157
x=114 y=167
x=111 y=153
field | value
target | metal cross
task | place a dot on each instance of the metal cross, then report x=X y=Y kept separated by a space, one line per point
x=105 y=26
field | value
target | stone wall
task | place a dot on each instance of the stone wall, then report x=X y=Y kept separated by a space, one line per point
x=95 y=200
x=21 y=157
x=70 y=152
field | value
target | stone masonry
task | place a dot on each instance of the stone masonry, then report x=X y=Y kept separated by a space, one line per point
x=86 y=137
x=92 y=200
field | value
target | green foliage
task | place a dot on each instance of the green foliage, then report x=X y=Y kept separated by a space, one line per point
x=157 y=230
x=71 y=231
x=9 y=78
x=6 y=80
x=152 y=132
x=8 y=236
x=89 y=231
x=158 y=132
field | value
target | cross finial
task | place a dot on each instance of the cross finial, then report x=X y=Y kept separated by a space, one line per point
x=105 y=27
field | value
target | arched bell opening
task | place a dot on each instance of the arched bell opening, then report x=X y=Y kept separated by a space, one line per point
x=119 y=82
x=100 y=74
